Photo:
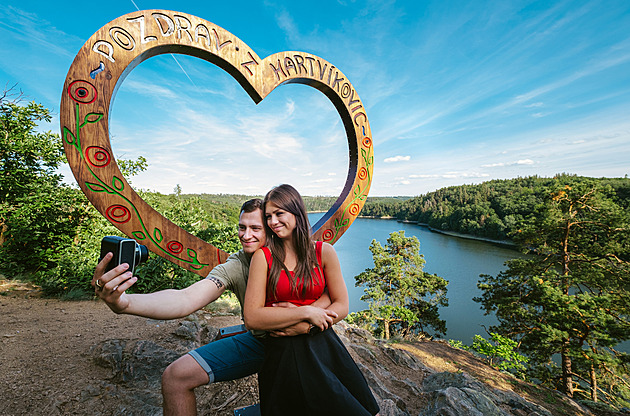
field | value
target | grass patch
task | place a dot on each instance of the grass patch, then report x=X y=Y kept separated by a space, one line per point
x=75 y=294
x=227 y=304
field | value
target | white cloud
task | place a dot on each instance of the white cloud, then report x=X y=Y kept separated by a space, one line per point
x=397 y=159
x=502 y=164
x=423 y=176
x=148 y=88
x=464 y=175
x=525 y=162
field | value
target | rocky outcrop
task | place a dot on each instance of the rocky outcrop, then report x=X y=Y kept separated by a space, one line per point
x=407 y=379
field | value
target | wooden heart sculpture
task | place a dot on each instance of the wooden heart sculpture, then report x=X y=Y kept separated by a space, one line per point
x=114 y=50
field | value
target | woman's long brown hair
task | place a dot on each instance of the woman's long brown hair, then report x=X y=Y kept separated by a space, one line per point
x=288 y=198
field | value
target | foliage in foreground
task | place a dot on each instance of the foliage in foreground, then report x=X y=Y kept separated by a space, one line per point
x=75 y=262
x=569 y=298
x=500 y=352
x=37 y=212
x=50 y=233
x=403 y=299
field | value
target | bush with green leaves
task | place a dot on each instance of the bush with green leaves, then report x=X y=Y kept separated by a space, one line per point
x=76 y=261
x=500 y=352
x=38 y=214
x=50 y=233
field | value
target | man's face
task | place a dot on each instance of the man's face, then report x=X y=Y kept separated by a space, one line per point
x=251 y=231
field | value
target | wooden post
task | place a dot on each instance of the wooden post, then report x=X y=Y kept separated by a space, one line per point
x=115 y=49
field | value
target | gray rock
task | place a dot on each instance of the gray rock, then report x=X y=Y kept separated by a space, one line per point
x=188 y=330
x=453 y=401
x=364 y=352
x=389 y=408
x=109 y=354
x=403 y=358
x=147 y=363
x=461 y=394
x=137 y=368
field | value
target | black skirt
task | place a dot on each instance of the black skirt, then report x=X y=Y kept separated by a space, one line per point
x=312 y=375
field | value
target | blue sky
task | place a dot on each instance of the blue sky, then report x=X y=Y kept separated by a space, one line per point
x=456 y=92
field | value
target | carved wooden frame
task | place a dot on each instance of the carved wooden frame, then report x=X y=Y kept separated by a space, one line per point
x=114 y=50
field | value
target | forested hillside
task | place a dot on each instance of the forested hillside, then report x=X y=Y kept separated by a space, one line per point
x=231 y=202
x=494 y=209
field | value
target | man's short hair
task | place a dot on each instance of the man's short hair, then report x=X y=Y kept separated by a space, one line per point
x=252 y=205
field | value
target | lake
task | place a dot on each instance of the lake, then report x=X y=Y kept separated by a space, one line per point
x=458 y=260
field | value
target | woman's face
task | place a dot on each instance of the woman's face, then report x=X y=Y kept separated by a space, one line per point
x=281 y=222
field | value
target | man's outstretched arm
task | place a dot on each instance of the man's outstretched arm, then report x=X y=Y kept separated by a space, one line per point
x=165 y=304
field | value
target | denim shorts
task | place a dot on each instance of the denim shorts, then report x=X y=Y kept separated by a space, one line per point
x=230 y=358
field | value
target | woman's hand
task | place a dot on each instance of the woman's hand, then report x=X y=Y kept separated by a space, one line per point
x=322 y=318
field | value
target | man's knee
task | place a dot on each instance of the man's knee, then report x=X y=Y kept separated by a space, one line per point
x=184 y=373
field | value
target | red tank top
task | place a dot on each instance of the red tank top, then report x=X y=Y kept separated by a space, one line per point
x=283 y=289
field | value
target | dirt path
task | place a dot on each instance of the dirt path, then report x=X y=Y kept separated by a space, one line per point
x=44 y=348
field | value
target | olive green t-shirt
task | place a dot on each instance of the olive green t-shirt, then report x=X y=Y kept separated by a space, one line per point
x=234 y=273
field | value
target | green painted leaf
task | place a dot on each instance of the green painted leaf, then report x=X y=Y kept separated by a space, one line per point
x=118 y=183
x=67 y=132
x=96 y=187
x=157 y=235
x=87 y=120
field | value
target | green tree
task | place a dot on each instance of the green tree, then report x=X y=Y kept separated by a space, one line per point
x=500 y=352
x=570 y=296
x=75 y=261
x=50 y=232
x=403 y=299
x=37 y=212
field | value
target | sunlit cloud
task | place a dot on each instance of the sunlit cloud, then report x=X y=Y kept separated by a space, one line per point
x=147 y=88
x=515 y=163
x=397 y=159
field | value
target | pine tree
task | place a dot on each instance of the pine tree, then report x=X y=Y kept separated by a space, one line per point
x=403 y=299
x=570 y=296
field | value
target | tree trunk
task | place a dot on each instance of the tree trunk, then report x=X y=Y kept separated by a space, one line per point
x=567 y=378
x=386 y=329
x=3 y=228
x=593 y=383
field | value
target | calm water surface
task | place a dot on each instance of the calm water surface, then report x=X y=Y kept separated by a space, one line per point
x=460 y=261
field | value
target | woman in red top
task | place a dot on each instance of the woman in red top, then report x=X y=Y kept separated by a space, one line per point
x=310 y=374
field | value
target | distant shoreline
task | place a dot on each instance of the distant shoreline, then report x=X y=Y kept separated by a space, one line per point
x=372 y=217
x=503 y=243
x=506 y=243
